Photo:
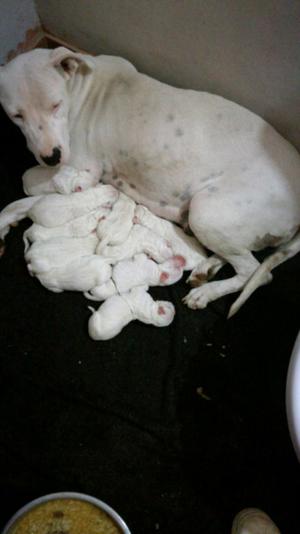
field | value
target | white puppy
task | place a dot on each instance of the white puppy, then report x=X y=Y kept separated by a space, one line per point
x=184 y=154
x=79 y=227
x=182 y=244
x=15 y=212
x=55 y=210
x=119 y=310
x=140 y=239
x=58 y=251
x=68 y=180
x=80 y=274
x=115 y=227
x=139 y=271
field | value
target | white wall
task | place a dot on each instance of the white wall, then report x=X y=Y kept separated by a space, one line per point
x=16 y=18
x=246 y=50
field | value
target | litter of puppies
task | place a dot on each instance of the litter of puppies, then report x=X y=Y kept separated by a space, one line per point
x=101 y=243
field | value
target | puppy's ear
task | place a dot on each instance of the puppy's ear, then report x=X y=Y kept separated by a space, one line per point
x=68 y=62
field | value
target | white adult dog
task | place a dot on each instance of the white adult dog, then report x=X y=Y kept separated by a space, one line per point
x=183 y=154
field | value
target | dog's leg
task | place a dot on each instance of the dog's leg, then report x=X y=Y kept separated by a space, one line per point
x=216 y=225
x=205 y=271
x=244 y=264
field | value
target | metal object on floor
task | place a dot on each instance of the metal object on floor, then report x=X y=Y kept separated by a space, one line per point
x=293 y=396
x=112 y=514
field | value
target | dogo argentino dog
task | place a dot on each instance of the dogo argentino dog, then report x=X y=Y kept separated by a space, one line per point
x=186 y=155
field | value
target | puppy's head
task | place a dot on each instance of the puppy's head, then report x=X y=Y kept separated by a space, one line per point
x=34 y=94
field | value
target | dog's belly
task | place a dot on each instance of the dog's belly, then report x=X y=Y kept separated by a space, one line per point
x=173 y=209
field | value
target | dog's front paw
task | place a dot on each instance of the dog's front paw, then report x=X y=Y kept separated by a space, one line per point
x=198 y=298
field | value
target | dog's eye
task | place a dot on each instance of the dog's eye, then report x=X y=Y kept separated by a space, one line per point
x=18 y=116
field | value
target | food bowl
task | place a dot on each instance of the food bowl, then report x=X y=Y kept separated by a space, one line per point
x=70 y=512
x=293 y=396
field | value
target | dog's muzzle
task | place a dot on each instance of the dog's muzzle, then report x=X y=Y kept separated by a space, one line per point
x=54 y=159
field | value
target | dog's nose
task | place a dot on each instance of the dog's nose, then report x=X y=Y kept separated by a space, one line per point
x=54 y=159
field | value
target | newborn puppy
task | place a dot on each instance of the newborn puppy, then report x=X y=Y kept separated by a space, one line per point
x=55 y=210
x=15 y=212
x=58 y=251
x=79 y=227
x=115 y=227
x=66 y=180
x=139 y=271
x=181 y=243
x=80 y=274
x=203 y=268
x=118 y=310
x=140 y=239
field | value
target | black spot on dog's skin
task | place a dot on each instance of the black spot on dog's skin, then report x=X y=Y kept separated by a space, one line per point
x=123 y=153
x=119 y=183
x=170 y=117
x=186 y=195
x=115 y=177
x=212 y=189
x=211 y=176
x=175 y=194
x=132 y=186
x=162 y=203
x=179 y=132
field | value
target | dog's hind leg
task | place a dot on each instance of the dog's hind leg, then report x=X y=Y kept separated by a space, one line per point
x=217 y=226
x=262 y=274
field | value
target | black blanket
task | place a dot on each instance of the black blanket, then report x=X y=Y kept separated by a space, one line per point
x=177 y=428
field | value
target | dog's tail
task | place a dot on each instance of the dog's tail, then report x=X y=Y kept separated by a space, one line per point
x=262 y=275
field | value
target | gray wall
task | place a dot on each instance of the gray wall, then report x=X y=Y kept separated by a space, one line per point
x=17 y=17
x=245 y=50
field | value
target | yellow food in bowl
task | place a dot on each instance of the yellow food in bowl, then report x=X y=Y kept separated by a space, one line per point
x=65 y=516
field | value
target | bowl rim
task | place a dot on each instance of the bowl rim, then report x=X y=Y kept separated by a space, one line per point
x=293 y=396
x=68 y=495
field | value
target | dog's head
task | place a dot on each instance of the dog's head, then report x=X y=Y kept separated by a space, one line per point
x=34 y=94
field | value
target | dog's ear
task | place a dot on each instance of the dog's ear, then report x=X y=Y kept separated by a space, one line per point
x=69 y=62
